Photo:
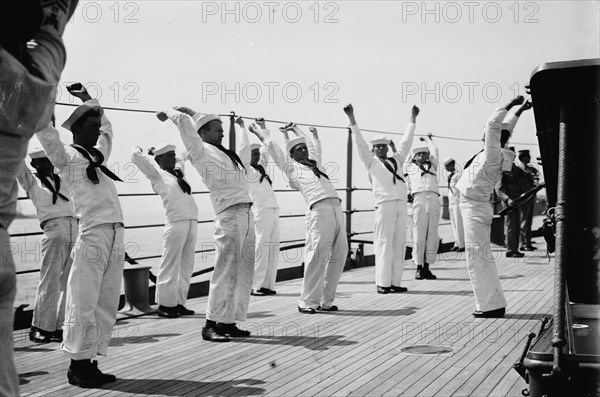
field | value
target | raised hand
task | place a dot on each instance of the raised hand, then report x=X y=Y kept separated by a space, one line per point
x=240 y=121
x=261 y=122
x=415 y=111
x=349 y=109
x=527 y=104
x=184 y=109
x=162 y=116
x=79 y=91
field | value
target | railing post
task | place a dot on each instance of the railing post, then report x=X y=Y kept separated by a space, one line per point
x=349 y=188
x=232 y=131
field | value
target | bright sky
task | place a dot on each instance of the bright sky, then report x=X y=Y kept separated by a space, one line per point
x=303 y=61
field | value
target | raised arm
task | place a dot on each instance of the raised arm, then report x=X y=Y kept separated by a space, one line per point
x=244 y=152
x=54 y=148
x=185 y=124
x=493 y=131
x=25 y=177
x=143 y=163
x=409 y=134
x=434 y=153
x=105 y=139
x=361 y=146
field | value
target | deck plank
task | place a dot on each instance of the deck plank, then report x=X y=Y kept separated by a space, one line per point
x=356 y=351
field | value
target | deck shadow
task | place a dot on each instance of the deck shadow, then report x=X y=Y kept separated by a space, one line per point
x=525 y=316
x=406 y=311
x=310 y=342
x=116 y=341
x=176 y=387
x=23 y=377
x=33 y=348
x=263 y=314
x=413 y=292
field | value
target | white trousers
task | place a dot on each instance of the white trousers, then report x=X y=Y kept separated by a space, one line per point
x=59 y=237
x=266 y=257
x=477 y=218
x=325 y=254
x=9 y=381
x=231 y=281
x=93 y=291
x=457 y=223
x=426 y=221
x=389 y=240
x=177 y=263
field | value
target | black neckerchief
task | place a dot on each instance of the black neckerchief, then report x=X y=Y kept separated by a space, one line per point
x=235 y=159
x=312 y=164
x=48 y=185
x=91 y=169
x=423 y=169
x=450 y=178
x=394 y=170
x=180 y=181
x=263 y=173
x=468 y=163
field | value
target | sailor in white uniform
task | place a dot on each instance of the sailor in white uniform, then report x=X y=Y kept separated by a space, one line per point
x=326 y=247
x=265 y=209
x=479 y=177
x=181 y=226
x=94 y=284
x=423 y=180
x=389 y=190
x=50 y=196
x=223 y=174
x=458 y=230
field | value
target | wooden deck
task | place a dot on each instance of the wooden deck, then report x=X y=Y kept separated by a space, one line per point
x=356 y=351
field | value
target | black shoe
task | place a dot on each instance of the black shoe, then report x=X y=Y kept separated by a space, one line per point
x=83 y=375
x=515 y=254
x=306 y=310
x=398 y=289
x=57 y=336
x=184 y=311
x=461 y=249
x=333 y=308
x=455 y=248
x=211 y=335
x=498 y=313
x=383 y=290
x=104 y=378
x=168 y=312
x=231 y=331
x=267 y=291
x=419 y=274
x=528 y=248
x=38 y=335
x=258 y=292
x=427 y=275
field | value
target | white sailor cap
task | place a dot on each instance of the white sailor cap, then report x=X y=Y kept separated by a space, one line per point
x=447 y=161
x=205 y=119
x=420 y=147
x=37 y=153
x=80 y=111
x=293 y=142
x=162 y=148
x=255 y=146
x=380 y=140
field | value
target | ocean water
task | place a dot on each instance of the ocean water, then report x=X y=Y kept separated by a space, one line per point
x=148 y=241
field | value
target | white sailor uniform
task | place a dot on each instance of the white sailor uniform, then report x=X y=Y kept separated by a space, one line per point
x=326 y=247
x=266 y=216
x=181 y=227
x=389 y=191
x=454 y=209
x=231 y=281
x=423 y=181
x=94 y=284
x=57 y=220
x=475 y=186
